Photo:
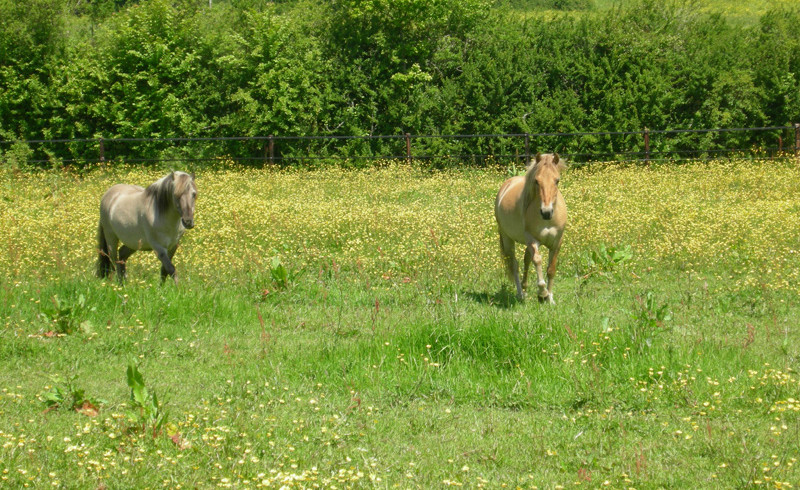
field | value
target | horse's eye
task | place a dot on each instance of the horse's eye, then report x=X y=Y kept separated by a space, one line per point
x=557 y=181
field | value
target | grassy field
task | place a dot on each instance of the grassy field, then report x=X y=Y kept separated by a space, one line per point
x=336 y=328
x=736 y=12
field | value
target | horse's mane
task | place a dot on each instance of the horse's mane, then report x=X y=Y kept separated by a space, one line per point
x=161 y=192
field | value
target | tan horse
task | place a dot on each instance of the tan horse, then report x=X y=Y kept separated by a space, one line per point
x=144 y=219
x=531 y=210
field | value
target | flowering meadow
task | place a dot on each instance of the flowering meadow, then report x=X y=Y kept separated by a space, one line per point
x=335 y=328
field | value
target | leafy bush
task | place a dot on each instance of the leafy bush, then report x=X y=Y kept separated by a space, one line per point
x=552 y=4
x=162 y=69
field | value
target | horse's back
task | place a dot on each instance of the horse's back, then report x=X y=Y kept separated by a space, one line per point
x=122 y=200
x=121 y=211
x=507 y=208
x=120 y=192
x=509 y=194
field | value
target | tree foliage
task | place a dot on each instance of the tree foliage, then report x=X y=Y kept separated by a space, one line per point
x=176 y=69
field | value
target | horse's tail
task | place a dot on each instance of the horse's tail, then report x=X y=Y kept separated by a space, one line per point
x=104 y=265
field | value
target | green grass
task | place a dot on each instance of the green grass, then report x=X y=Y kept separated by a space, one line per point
x=737 y=12
x=403 y=359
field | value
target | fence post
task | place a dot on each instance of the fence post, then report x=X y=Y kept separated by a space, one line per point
x=271 y=145
x=527 y=147
x=646 y=145
x=796 y=140
x=408 y=147
x=102 y=149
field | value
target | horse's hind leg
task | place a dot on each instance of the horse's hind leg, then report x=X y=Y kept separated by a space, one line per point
x=510 y=260
x=104 y=264
x=112 y=242
x=124 y=253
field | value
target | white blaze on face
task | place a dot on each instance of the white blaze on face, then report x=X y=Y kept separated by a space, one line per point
x=547 y=195
x=547 y=209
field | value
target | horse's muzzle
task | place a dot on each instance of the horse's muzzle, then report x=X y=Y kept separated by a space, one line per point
x=547 y=214
x=188 y=224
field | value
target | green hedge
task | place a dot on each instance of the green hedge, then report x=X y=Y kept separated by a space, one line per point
x=173 y=69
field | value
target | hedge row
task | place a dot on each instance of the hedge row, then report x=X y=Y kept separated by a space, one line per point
x=171 y=69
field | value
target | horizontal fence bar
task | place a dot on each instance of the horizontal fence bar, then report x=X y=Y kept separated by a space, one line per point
x=568 y=156
x=395 y=136
x=641 y=144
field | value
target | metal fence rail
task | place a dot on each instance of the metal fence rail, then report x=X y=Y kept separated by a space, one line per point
x=478 y=149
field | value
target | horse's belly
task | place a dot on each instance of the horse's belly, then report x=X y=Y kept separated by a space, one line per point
x=512 y=226
x=133 y=239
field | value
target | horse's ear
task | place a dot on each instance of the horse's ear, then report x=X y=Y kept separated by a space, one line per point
x=555 y=158
x=537 y=157
x=192 y=175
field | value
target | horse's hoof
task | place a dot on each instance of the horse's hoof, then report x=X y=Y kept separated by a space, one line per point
x=547 y=299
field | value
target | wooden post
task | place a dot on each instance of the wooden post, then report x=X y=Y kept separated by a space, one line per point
x=797 y=140
x=646 y=145
x=527 y=147
x=408 y=147
x=271 y=149
x=102 y=149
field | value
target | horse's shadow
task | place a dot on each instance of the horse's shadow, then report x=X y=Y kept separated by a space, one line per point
x=505 y=298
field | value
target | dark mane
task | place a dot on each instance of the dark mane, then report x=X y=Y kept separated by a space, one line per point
x=161 y=192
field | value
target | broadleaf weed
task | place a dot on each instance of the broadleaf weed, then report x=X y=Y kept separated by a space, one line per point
x=148 y=413
x=65 y=394
x=68 y=315
x=282 y=277
x=649 y=321
x=604 y=260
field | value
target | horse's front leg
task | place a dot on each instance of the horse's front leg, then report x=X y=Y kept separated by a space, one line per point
x=527 y=262
x=165 y=256
x=537 y=262
x=551 y=272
